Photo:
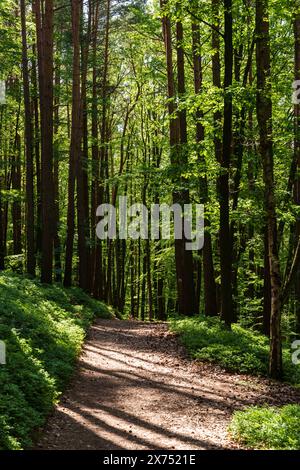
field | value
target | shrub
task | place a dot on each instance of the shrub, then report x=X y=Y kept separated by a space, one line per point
x=275 y=428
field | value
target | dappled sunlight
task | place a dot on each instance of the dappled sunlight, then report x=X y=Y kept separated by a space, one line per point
x=145 y=394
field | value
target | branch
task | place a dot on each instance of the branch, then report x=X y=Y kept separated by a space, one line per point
x=206 y=22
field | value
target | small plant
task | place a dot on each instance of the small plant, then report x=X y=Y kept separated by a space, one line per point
x=275 y=428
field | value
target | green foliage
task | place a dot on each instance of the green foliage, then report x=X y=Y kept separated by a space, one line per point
x=275 y=428
x=43 y=328
x=242 y=350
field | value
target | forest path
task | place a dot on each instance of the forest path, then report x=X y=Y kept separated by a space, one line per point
x=136 y=389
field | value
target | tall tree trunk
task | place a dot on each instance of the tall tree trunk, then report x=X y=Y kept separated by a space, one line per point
x=96 y=264
x=44 y=23
x=210 y=296
x=82 y=175
x=16 y=185
x=36 y=128
x=296 y=192
x=99 y=277
x=189 y=297
x=264 y=118
x=75 y=145
x=57 y=243
x=216 y=77
x=225 y=239
x=30 y=248
x=178 y=140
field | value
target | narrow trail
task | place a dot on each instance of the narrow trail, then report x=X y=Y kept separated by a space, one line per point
x=134 y=388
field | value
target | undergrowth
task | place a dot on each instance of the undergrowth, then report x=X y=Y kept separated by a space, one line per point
x=274 y=428
x=239 y=349
x=43 y=328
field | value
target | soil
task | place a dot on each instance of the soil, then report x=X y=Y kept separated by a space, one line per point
x=135 y=388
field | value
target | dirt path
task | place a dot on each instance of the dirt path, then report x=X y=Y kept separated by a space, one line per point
x=135 y=389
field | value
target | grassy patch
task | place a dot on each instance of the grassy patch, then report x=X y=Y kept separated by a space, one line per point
x=43 y=328
x=239 y=350
x=275 y=428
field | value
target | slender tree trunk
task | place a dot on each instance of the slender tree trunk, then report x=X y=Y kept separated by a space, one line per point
x=16 y=185
x=57 y=244
x=99 y=271
x=82 y=175
x=216 y=72
x=96 y=257
x=210 y=298
x=296 y=192
x=76 y=136
x=225 y=239
x=264 y=117
x=30 y=248
x=267 y=287
x=178 y=141
x=36 y=128
x=217 y=117
x=189 y=297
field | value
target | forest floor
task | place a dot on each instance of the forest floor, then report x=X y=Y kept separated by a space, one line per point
x=135 y=388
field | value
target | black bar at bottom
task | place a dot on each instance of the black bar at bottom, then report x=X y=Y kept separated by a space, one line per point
x=155 y=458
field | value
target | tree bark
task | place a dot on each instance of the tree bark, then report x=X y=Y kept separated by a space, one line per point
x=75 y=145
x=264 y=118
x=82 y=174
x=296 y=191
x=227 y=313
x=210 y=297
x=44 y=23
x=30 y=219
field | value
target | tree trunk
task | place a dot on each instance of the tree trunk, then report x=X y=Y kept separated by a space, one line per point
x=57 y=244
x=36 y=128
x=75 y=146
x=264 y=118
x=30 y=248
x=178 y=141
x=44 y=23
x=225 y=239
x=99 y=271
x=296 y=192
x=210 y=297
x=16 y=185
x=82 y=176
